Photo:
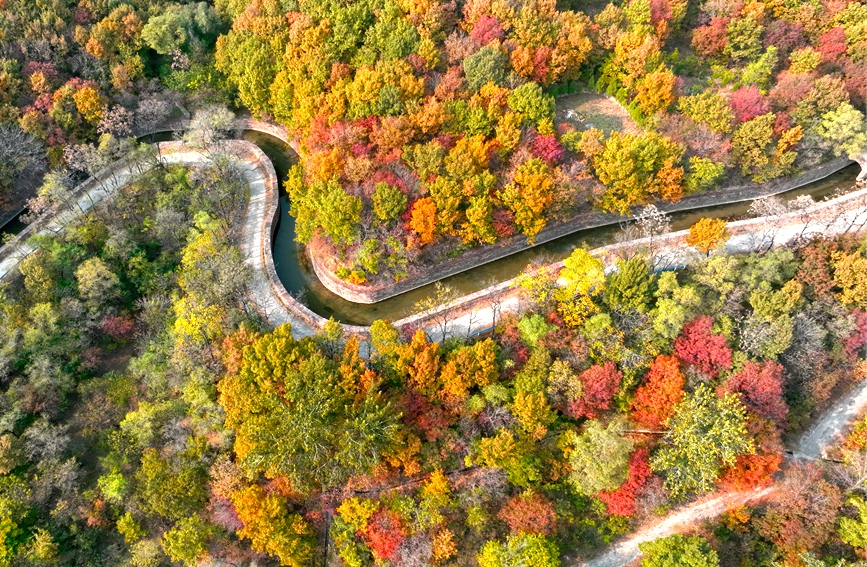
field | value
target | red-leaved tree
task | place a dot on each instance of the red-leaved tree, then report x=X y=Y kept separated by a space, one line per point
x=621 y=502
x=710 y=40
x=750 y=471
x=384 y=534
x=700 y=348
x=118 y=327
x=815 y=271
x=663 y=388
x=747 y=103
x=599 y=384
x=854 y=343
x=486 y=30
x=802 y=512
x=529 y=513
x=760 y=386
x=832 y=44
x=790 y=89
x=547 y=148
x=784 y=35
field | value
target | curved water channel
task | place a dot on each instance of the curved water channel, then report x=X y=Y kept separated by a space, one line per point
x=297 y=276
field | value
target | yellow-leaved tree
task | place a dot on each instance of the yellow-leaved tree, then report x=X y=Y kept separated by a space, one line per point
x=707 y=235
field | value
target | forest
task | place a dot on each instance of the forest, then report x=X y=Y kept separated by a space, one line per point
x=428 y=128
x=149 y=416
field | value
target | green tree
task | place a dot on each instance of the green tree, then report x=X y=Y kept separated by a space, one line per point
x=532 y=105
x=249 y=63
x=706 y=433
x=703 y=173
x=629 y=286
x=385 y=339
x=369 y=255
x=187 y=541
x=760 y=72
x=213 y=270
x=174 y=490
x=179 y=26
x=488 y=64
x=286 y=389
x=599 y=458
x=843 y=130
x=854 y=530
x=709 y=108
x=678 y=551
x=635 y=166
x=97 y=284
x=804 y=60
x=42 y=549
x=325 y=205
x=388 y=202
x=523 y=550
x=754 y=148
x=744 y=38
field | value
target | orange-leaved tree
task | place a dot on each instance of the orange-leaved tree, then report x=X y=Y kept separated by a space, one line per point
x=423 y=220
x=655 y=399
x=707 y=235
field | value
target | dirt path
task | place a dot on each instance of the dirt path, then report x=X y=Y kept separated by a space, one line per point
x=688 y=516
x=813 y=445
x=829 y=430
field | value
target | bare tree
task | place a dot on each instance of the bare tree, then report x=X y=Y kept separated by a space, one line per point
x=435 y=307
x=105 y=161
x=496 y=308
x=844 y=214
x=21 y=157
x=804 y=210
x=152 y=112
x=852 y=472
x=224 y=187
x=769 y=209
x=628 y=241
x=117 y=121
x=209 y=125
x=652 y=224
x=54 y=194
x=472 y=320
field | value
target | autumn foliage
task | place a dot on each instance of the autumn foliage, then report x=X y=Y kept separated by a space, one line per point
x=621 y=502
x=530 y=513
x=760 y=386
x=663 y=389
x=707 y=234
x=751 y=471
x=698 y=347
x=600 y=382
x=383 y=534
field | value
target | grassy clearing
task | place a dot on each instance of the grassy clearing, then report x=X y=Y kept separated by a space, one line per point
x=588 y=110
